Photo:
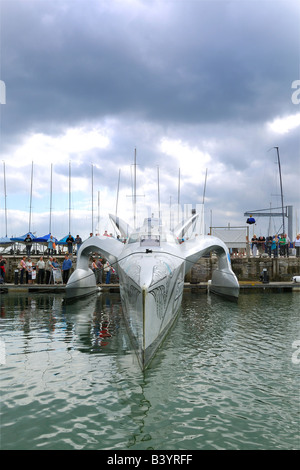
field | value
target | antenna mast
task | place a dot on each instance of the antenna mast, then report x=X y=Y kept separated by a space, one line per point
x=30 y=198
x=203 y=199
x=280 y=178
x=69 y=198
x=92 y=199
x=5 y=196
x=117 y=201
x=158 y=194
x=134 y=191
x=50 y=198
x=178 y=198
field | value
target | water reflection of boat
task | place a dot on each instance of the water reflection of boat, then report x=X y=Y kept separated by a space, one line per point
x=151 y=267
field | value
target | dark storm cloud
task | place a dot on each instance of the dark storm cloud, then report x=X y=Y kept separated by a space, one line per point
x=209 y=74
x=64 y=62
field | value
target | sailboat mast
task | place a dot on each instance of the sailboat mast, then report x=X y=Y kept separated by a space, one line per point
x=281 y=192
x=158 y=196
x=99 y=212
x=178 y=201
x=117 y=201
x=69 y=197
x=92 y=199
x=204 y=190
x=203 y=199
x=134 y=191
x=5 y=196
x=50 y=218
x=30 y=207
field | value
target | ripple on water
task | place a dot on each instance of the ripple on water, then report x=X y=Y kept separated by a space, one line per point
x=223 y=379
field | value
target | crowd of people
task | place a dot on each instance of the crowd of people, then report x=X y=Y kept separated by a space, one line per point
x=51 y=271
x=274 y=246
x=43 y=271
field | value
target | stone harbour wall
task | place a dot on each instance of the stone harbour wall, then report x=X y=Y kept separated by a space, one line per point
x=248 y=269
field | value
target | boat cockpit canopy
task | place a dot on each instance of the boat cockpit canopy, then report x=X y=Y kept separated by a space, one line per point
x=151 y=235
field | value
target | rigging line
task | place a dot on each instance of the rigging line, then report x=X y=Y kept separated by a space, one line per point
x=5 y=198
x=281 y=192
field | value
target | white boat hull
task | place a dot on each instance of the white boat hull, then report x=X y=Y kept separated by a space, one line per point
x=225 y=284
x=81 y=283
x=151 y=308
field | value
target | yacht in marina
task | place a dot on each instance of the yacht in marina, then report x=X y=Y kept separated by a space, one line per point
x=151 y=267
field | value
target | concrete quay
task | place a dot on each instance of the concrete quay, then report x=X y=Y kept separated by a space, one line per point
x=202 y=288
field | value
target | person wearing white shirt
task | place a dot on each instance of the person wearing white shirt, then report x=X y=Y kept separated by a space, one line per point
x=297 y=245
x=41 y=270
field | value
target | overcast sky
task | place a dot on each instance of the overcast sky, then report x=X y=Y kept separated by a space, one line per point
x=192 y=85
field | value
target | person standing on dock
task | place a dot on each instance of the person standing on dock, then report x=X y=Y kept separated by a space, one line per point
x=67 y=265
x=51 y=245
x=41 y=270
x=22 y=269
x=261 y=245
x=100 y=269
x=284 y=245
x=70 y=241
x=56 y=272
x=29 y=268
x=107 y=270
x=254 y=243
x=269 y=240
x=97 y=270
x=2 y=268
x=48 y=270
x=78 y=242
x=28 y=243
x=274 y=246
x=297 y=245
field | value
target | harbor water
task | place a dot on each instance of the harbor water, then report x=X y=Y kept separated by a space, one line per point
x=226 y=377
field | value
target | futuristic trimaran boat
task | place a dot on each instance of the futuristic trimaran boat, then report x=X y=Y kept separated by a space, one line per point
x=151 y=267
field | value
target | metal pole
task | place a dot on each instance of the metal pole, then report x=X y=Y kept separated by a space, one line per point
x=117 y=201
x=280 y=178
x=50 y=199
x=5 y=196
x=29 y=228
x=158 y=195
x=203 y=199
x=69 y=197
x=134 y=191
x=178 y=201
x=99 y=212
x=204 y=187
x=92 y=199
